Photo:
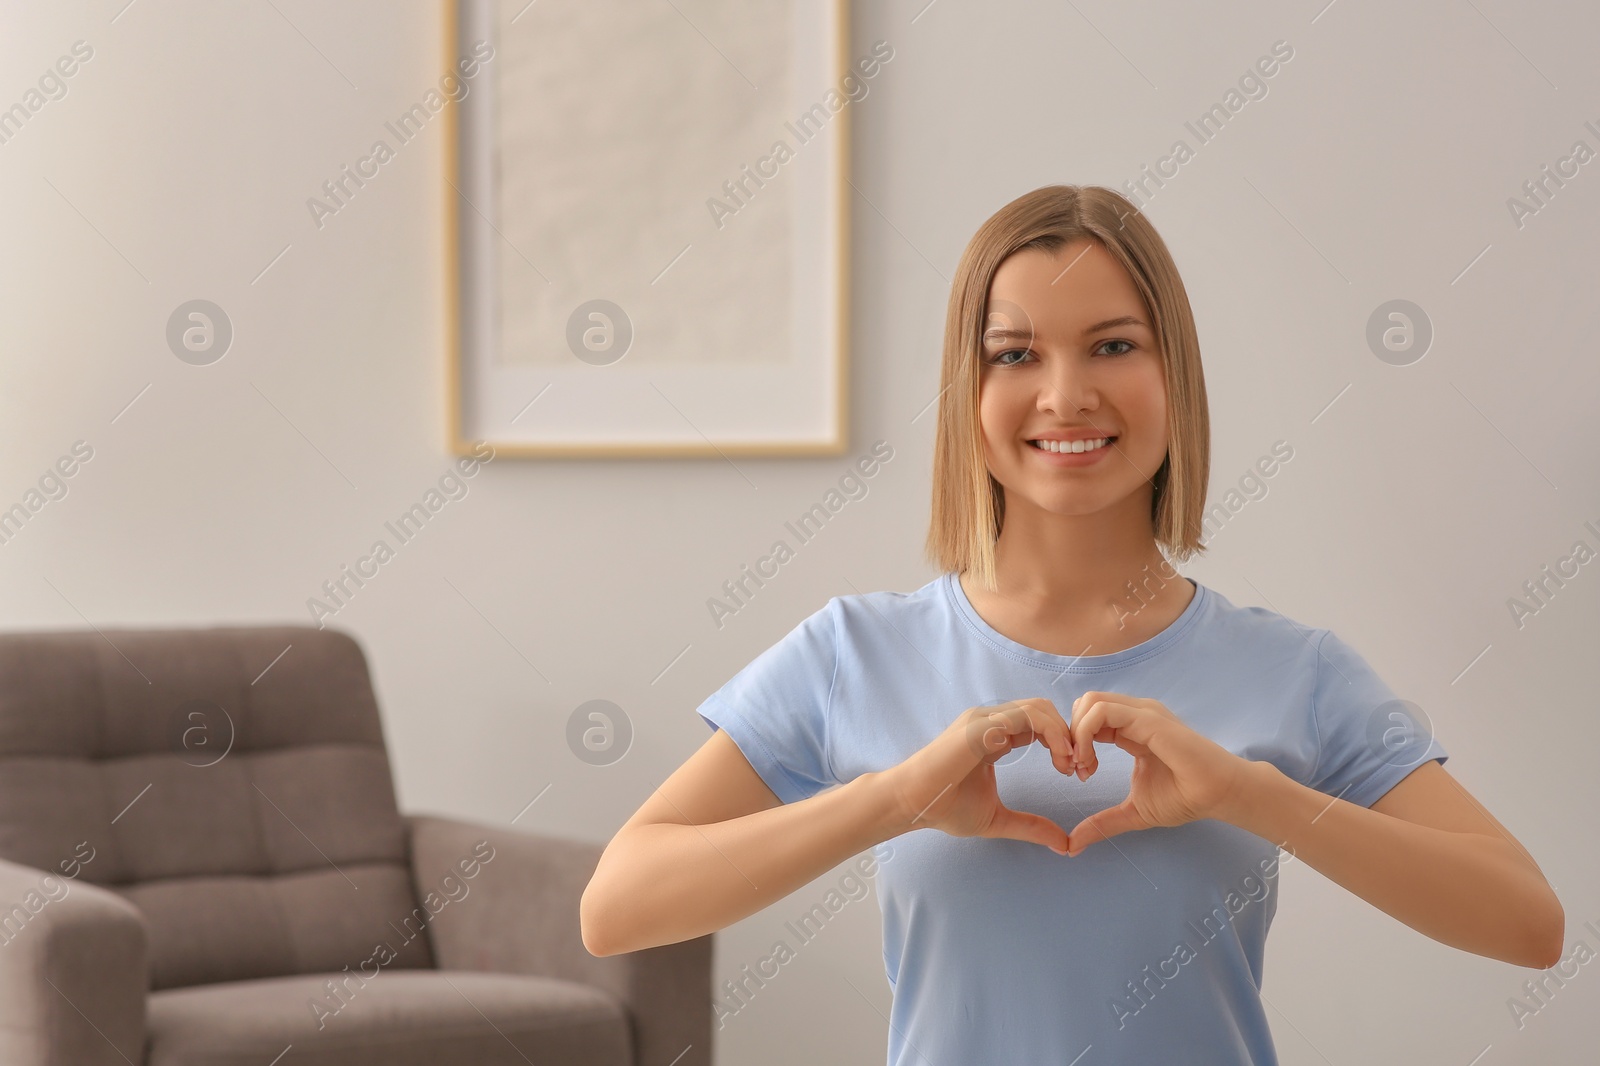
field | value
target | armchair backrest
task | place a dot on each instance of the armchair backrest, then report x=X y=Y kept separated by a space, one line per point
x=231 y=782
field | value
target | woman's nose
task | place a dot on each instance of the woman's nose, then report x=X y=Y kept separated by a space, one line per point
x=1068 y=387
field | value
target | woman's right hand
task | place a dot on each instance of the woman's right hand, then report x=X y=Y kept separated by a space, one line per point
x=950 y=785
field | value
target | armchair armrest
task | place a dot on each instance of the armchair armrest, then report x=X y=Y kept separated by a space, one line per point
x=513 y=908
x=74 y=970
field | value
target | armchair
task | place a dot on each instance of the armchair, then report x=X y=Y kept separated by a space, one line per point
x=202 y=863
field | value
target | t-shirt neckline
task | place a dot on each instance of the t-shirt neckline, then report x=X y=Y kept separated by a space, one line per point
x=1081 y=664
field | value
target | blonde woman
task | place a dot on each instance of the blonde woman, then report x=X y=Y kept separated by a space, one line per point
x=1112 y=887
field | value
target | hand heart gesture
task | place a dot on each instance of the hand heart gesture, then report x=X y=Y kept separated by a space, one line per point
x=1178 y=775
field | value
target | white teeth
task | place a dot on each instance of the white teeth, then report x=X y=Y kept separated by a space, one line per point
x=1070 y=446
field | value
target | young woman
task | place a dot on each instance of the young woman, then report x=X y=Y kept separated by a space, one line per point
x=1042 y=901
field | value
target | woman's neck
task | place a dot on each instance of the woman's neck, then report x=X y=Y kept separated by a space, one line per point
x=1080 y=584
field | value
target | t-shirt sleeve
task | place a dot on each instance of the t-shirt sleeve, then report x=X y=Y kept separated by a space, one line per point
x=1368 y=739
x=776 y=708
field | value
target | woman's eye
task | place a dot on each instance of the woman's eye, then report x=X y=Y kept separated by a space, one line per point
x=1001 y=358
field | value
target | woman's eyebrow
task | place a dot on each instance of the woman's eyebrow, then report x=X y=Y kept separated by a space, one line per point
x=1002 y=333
x=1121 y=320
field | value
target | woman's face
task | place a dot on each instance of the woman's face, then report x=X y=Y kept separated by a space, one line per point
x=1069 y=351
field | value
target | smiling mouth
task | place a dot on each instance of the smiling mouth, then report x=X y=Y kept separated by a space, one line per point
x=1071 y=446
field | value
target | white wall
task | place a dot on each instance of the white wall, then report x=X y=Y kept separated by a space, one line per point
x=1377 y=167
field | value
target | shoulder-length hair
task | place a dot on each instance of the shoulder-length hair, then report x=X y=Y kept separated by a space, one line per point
x=968 y=503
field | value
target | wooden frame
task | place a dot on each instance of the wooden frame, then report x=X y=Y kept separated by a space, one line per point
x=471 y=375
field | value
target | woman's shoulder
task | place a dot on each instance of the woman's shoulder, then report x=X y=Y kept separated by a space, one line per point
x=1258 y=628
x=1271 y=642
x=855 y=613
x=875 y=608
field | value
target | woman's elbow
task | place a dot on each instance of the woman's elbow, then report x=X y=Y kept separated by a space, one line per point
x=1552 y=938
x=595 y=924
x=1541 y=924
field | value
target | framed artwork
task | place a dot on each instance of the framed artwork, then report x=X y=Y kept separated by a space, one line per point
x=646 y=214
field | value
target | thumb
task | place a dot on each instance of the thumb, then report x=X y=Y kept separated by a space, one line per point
x=1122 y=818
x=1033 y=828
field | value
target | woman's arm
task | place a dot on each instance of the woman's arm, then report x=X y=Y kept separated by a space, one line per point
x=713 y=845
x=1426 y=853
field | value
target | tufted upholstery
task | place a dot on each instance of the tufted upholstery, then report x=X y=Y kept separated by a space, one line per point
x=262 y=810
x=202 y=864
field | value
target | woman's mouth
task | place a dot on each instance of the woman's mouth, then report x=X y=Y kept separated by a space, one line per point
x=1072 y=447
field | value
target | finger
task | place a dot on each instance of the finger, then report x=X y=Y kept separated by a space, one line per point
x=1085 y=762
x=1122 y=818
x=1014 y=720
x=1093 y=696
x=1097 y=719
x=1054 y=730
x=998 y=735
x=1102 y=719
x=1090 y=697
x=1023 y=722
x=1033 y=828
x=994 y=736
x=993 y=732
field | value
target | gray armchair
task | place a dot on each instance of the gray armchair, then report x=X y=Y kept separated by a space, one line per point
x=202 y=863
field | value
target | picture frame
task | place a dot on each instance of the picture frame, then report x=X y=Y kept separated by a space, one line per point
x=732 y=342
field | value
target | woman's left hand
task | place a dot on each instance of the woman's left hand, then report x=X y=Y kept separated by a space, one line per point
x=1178 y=775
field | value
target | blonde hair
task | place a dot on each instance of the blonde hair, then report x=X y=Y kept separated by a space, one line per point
x=968 y=503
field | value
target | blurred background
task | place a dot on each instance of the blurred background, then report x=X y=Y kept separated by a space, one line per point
x=1401 y=154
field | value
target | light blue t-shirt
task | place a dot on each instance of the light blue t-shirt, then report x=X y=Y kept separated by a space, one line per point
x=1146 y=948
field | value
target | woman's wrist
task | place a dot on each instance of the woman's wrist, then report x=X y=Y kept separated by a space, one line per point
x=879 y=795
x=1251 y=794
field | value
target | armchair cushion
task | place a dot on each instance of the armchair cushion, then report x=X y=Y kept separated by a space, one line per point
x=233 y=782
x=388 y=1018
